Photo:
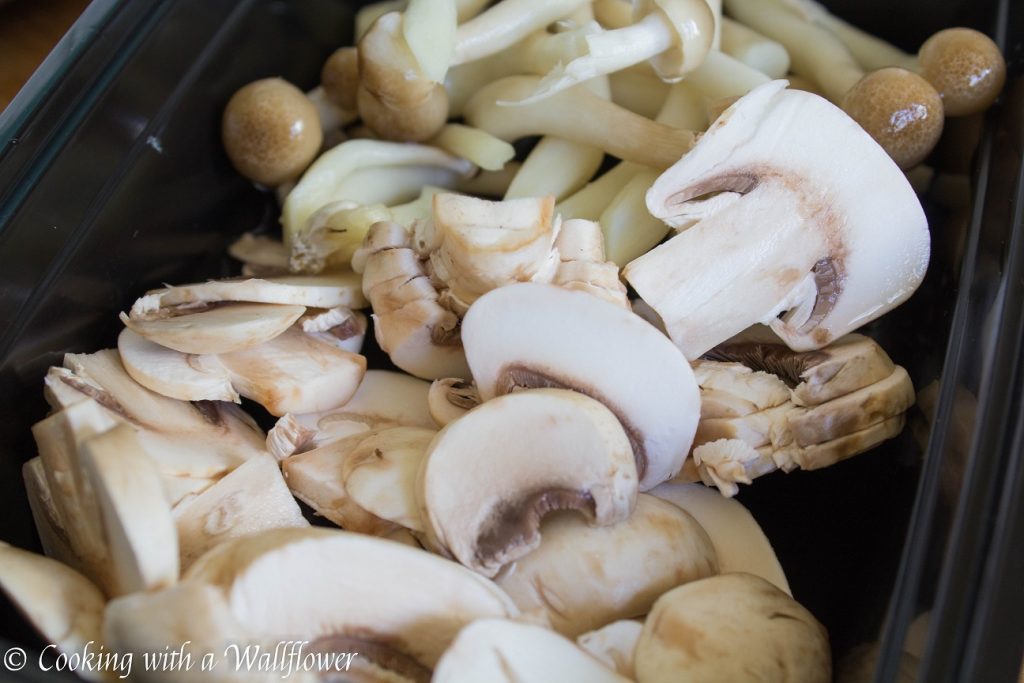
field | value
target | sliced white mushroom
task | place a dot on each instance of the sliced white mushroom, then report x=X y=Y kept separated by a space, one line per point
x=450 y=399
x=251 y=498
x=475 y=245
x=319 y=291
x=296 y=373
x=614 y=645
x=732 y=627
x=317 y=478
x=202 y=439
x=273 y=587
x=582 y=578
x=380 y=474
x=46 y=514
x=62 y=605
x=261 y=255
x=530 y=335
x=740 y=544
x=184 y=376
x=139 y=533
x=510 y=652
x=815 y=278
x=730 y=390
x=383 y=399
x=525 y=454
x=222 y=329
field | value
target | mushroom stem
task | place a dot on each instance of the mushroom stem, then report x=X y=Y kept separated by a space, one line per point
x=483 y=149
x=870 y=51
x=640 y=92
x=429 y=27
x=814 y=52
x=580 y=115
x=676 y=34
x=505 y=24
x=722 y=75
x=753 y=49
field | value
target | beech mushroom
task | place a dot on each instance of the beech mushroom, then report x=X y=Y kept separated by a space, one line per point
x=546 y=450
x=504 y=651
x=579 y=115
x=825 y=269
x=901 y=110
x=673 y=34
x=271 y=131
x=732 y=627
x=740 y=544
x=753 y=49
x=581 y=578
x=272 y=587
x=965 y=66
x=528 y=335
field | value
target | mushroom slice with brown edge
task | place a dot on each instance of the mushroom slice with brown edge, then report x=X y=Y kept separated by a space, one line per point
x=614 y=645
x=674 y=35
x=419 y=334
x=503 y=651
x=138 y=530
x=450 y=399
x=53 y=536
x=380 y=474
x=313 y=291
x=62 y=605
x=583 y=578
x=732 y=627
x=380 y=598
x=317 y=478
x=823 y=269
x=251 y=498
x=221 y=329
x=579 y=115
x=295 y=372
x=529 y=335
x=490 y=477
x=383 y=399
x=740 y=544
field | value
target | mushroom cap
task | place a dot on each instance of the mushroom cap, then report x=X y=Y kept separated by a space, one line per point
x=413 y=123
x=694 y=25
x=614 y=645
x=490 y=477
x=529 y=335
x=966 y=67
x=340 y=77
x=271 y=131
x=582 y=578
x=732 y=627
x=901 y=110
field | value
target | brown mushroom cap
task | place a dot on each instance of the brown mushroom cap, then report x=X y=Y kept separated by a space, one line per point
x=271 y=131
x=404 y=124
x=900 y=110
x=340 y=76
x=966 y=68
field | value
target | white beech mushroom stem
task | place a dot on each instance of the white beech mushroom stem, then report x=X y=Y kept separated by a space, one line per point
x=639 y=92
x=870 y=51
x=580 y=115
x=753 y=49
x=429 y=28
x=722 y=76
x=482 y=148
x=505 y=24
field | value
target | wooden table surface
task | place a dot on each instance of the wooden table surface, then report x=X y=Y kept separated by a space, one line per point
x=28 y=31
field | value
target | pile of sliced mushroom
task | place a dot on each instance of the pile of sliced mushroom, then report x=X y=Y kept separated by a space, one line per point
x=530 y=495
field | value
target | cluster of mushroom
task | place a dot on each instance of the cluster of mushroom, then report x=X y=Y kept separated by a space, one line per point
x=491 y=519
